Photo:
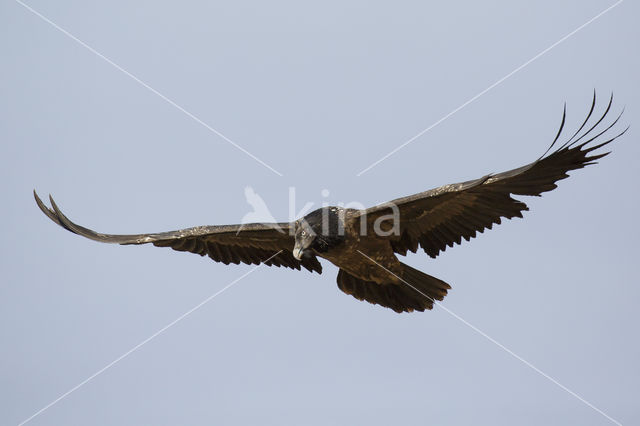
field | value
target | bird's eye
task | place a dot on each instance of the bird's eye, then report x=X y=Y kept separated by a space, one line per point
x=304 y=233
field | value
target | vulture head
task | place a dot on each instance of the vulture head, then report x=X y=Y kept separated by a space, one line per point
x=318 y=231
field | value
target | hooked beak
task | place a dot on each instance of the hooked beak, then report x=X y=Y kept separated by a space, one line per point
x=297 y=251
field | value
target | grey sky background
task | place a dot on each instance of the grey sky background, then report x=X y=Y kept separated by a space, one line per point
x=319 y=92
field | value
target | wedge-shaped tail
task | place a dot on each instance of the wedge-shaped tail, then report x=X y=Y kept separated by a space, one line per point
x=416 y=292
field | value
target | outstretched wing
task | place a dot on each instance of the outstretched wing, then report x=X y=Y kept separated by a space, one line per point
x=443 y=216
x=252 y=243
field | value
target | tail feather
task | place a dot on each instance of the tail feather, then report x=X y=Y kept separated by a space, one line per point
x=416 y=292
x=424 y=284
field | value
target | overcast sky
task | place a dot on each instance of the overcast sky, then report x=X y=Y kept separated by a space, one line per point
x=317 y=92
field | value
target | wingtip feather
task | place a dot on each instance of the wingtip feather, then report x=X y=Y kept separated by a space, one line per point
x=46 y=210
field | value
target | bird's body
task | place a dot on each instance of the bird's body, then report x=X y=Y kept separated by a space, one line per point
x=364 y=244
x=344 y=248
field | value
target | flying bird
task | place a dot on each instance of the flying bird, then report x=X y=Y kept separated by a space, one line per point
x=364 y=244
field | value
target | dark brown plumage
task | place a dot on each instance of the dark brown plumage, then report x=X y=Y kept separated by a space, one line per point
x=364 y=243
